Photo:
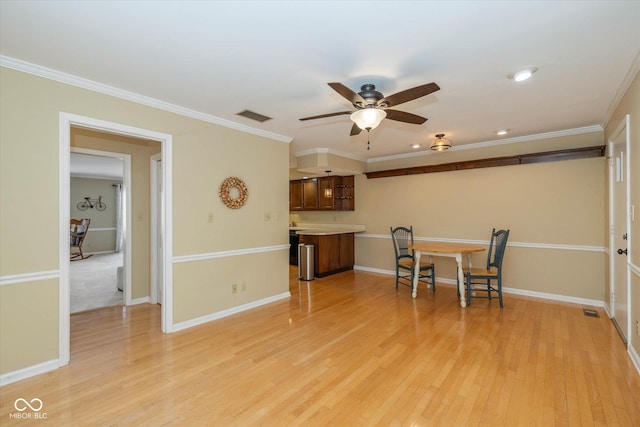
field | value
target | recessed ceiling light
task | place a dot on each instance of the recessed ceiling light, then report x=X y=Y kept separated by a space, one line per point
x=523 y=75
x=502 y=131
x=415 y=145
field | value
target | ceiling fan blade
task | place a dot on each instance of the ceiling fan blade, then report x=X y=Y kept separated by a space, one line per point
x=347 y=93
x=355 y=130
x=403 y=116
x=409 y=94
x=322 y=116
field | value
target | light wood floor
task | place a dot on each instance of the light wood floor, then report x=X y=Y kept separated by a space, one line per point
x=346 y=350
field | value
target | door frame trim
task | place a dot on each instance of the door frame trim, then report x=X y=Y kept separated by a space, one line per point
x=623 y=126
x=66 y=121
x=153 y=275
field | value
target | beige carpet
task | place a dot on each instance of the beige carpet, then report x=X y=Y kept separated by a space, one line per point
x=93 y=282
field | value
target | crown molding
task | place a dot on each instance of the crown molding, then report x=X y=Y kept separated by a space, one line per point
x=624 y=86
x=48 y=73
x=497 y=142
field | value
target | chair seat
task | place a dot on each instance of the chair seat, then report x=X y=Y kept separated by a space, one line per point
x=408 y=263
x=481 y=272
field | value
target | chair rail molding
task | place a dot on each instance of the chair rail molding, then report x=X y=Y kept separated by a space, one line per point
x=486 y=243
x=223 y=254
x=29 y=277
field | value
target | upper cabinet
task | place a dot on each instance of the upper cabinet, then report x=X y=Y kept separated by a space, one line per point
x=310 y=194
x=332 y=193
x=295 y=195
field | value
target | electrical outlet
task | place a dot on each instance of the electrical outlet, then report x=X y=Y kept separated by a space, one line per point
x=267 y=216
x=243 y=287
x=234 y=288
x=210 y=218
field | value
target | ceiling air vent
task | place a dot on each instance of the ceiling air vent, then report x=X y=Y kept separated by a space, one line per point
x=253 y=116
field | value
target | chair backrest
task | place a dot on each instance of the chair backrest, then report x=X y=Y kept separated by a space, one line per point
x=496 y=248
x=401 y=237
x=78 y=230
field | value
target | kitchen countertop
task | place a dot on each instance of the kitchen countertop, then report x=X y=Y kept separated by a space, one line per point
x=326 y=229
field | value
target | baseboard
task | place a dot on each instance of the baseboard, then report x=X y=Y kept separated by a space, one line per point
x=143 y=300
x=635 y=358
x=224 y=313
x=608 y=311
x=24 y=373
x=513 y=291
x=374 y=270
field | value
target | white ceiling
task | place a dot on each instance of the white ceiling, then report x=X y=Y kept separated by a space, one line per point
x=275 y=58
x=91 y=166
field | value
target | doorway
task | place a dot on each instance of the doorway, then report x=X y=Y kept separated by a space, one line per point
x=66 y=122
x=98 y=280
x=619 y=226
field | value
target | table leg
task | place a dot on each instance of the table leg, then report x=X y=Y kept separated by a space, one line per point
x=461 y=289
x=416 y=275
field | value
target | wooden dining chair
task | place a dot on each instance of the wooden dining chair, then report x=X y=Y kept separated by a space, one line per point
x=77 y=233
x=405 y=260
x=479 y=279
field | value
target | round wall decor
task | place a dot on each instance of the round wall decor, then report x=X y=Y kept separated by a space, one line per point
x=233 y=192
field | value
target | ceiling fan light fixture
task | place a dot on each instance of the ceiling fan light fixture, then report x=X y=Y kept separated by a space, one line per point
x=368 y=118
x=440 y=143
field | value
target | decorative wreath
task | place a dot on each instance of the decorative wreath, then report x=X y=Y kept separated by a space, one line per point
x=226 y=196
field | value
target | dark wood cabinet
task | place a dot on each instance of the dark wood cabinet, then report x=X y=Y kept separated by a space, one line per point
x=295 y=195
x=310 y=194
x=332 y=253
x=326 y=192
x=330 y=193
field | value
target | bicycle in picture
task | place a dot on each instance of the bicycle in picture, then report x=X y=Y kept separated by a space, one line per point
x=89 y=203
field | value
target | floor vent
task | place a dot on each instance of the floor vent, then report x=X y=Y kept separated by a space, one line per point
x=590 y=313
x=253 y=116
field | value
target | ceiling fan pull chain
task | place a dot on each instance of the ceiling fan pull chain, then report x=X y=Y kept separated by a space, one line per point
x=368 y=146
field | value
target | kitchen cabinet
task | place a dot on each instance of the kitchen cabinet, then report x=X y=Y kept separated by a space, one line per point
x=329 y=193
x=303 y=194
x=333 y=253
x=310 y=194
x=326 y=192
x=295 y=195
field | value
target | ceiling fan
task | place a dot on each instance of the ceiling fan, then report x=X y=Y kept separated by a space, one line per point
x=372 y=106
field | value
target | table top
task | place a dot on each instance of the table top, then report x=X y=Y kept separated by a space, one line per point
x=446 y=247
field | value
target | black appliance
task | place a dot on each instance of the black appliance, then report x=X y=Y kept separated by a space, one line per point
x=294 y=240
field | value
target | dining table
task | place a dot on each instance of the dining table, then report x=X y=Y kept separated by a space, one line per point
x=444 y=249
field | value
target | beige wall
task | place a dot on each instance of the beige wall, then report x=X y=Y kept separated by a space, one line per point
x=203 y=153
x=545 y=205
x=140 y=151
x=96 y=240
x=630 y=104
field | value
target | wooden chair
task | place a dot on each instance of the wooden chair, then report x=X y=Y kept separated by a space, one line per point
x=479 y=279
x=405 y=260
x=78 y=231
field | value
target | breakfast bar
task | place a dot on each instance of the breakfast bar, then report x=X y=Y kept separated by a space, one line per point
x=334 y=248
